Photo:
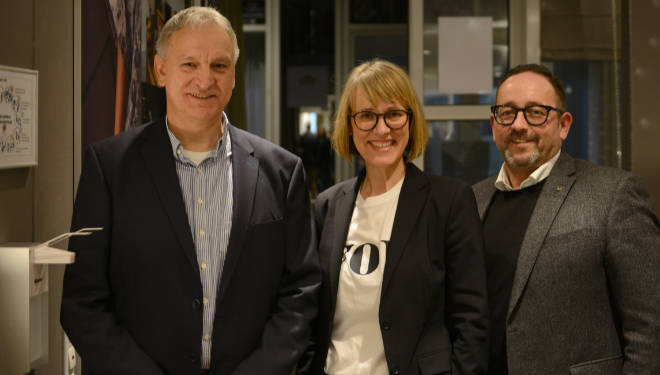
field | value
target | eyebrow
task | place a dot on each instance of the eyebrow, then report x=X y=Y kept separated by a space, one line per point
x=527 y=104
x=387 y=108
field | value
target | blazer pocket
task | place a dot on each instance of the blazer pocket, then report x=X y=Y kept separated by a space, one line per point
x=435 y=363
x=603 y=366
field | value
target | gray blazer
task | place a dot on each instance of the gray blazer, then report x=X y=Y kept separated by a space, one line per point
x=586 y=292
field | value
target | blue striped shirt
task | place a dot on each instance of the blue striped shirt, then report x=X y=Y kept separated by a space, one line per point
x=207 y=194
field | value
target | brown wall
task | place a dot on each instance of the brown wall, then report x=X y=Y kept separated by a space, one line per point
x=17 y=185
x=36 y=203
x=53 y=196
x=644 y=70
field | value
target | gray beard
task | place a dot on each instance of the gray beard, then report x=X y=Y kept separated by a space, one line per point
x=533 y=158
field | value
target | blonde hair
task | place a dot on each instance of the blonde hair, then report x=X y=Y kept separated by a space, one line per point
x=194 y=17
x=385 y=80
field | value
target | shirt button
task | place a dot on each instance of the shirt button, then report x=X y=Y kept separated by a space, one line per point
x=196 y=304
x=199 y=200
x=203 y=266
x=199 y=170
x=205 y=300
x=207 y=337
x=178 y=152
x=201 y=232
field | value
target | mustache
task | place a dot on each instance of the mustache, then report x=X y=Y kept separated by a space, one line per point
x=525 y=136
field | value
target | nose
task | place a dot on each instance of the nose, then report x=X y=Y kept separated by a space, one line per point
x=205 y=78
x=520 y=123
x=381 y=126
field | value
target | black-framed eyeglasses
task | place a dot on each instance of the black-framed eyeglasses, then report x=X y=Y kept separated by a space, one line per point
x=394 y=119
x=535 y=115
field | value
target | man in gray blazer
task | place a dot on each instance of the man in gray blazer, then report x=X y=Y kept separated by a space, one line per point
x=572 y=248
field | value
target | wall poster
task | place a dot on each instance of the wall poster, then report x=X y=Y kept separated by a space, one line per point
x=18 y=117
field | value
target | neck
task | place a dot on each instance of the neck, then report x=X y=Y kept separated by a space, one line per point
x=380 y=180
x=195 y=135
x=517 y=175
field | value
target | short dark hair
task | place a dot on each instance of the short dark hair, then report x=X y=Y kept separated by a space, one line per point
x=545 y=72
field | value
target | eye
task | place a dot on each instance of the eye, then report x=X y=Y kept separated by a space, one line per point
x=395 y=115
x=505 y=112
x=536 y=111
x=365 y=116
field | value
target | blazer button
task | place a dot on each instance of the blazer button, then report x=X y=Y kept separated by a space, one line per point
x=395 y=370
x=196 y=304
x=386 y=326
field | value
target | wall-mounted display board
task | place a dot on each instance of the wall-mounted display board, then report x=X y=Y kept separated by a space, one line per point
x=18 y=117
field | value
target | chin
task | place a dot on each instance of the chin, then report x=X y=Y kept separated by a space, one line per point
x=383 y=162
x=520 y=160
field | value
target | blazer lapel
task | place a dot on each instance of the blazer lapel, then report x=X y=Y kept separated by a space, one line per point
x=484 y=193
x=410 y=205
x=157 y=153
x=341 y=221
x=245 y=171
x=552 y=197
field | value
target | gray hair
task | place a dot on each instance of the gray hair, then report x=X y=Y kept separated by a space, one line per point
x=194 y=16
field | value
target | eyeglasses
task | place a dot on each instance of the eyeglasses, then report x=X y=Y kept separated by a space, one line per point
x=535 y=115
x=394 y=119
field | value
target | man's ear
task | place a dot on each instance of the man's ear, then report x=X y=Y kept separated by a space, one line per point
x=159 y=68
x=565 y=122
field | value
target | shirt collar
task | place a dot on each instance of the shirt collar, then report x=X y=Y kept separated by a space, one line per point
x=222 y=147
x=541 y=173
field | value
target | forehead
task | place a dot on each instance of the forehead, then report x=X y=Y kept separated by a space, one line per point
x=369 y=96
x=527 y=87
x=208 y=37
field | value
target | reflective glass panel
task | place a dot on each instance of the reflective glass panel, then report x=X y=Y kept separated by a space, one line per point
x=462 y=149
x=255 y=81
x=498 y=10
x=254 y=11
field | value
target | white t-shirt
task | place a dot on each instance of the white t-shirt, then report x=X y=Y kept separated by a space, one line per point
x=356 y=345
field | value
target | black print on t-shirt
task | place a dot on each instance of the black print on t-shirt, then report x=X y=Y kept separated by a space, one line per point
x=359 y=253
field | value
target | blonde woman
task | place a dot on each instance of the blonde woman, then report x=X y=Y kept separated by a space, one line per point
x=404 y=282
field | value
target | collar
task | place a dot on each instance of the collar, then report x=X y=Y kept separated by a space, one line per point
x=541 y=173
x=222 y=147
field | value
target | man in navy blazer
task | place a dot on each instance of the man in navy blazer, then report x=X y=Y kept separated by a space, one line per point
x=207 y=260
x=572 y=248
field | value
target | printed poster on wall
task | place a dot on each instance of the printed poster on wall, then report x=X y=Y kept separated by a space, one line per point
x=465 y=55
x=18 y=117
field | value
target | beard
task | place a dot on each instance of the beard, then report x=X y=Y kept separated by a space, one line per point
x=526 y=162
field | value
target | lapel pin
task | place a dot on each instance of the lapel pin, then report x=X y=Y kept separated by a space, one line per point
x=559 y=188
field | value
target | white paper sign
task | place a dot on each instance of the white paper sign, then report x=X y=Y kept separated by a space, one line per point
x=18 y=117
x=465 y=55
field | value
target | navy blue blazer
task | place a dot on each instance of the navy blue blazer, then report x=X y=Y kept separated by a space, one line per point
x=433 y=306
x=130 y=302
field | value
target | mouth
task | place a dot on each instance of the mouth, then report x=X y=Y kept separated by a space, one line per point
x=521 y=140
x=381 y=144
x=200 y=96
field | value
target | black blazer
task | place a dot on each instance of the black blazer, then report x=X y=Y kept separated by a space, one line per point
x=433 y=307
x=131 y=301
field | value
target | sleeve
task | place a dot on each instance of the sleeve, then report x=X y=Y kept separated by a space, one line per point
x=87 y=314
x=288 y=331
x=632 y=263
x=304 y=365
x=467 y=304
